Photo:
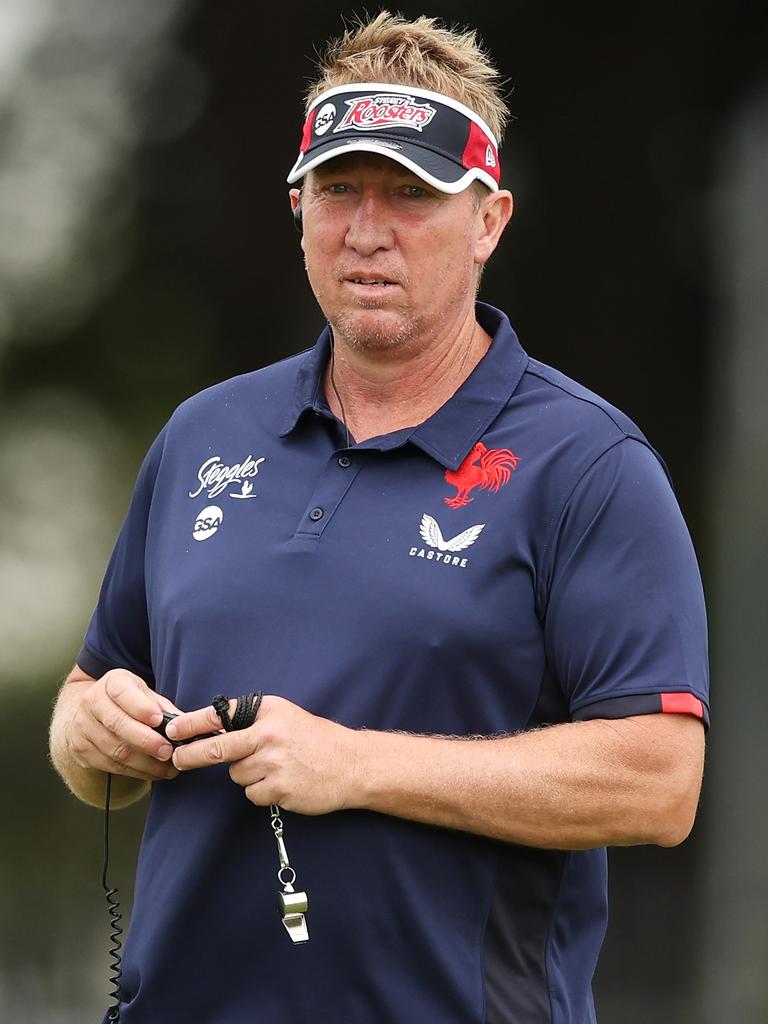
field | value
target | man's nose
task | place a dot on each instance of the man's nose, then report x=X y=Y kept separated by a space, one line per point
x=369 y=227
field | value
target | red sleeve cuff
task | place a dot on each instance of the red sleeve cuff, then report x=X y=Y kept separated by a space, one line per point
x=679 y=703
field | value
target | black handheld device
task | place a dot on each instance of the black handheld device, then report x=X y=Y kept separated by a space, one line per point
x=169 y=716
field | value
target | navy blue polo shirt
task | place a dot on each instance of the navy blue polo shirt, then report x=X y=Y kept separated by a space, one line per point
x=518 y=559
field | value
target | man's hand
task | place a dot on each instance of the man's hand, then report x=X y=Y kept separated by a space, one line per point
x=288 y=756
x=112 y=728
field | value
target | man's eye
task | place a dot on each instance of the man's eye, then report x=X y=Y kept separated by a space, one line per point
x=338 y=189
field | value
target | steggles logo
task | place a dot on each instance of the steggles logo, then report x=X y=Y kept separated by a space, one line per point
x=216 y=477
x=371 y=113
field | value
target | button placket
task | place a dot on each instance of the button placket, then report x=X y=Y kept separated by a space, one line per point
x=329 y=492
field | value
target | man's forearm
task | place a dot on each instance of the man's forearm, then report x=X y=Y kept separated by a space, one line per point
x=572 y=786
x=87 y=784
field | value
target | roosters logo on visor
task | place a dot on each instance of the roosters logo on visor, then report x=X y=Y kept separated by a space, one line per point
x=370 y=113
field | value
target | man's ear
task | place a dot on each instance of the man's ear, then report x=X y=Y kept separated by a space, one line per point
x=295 y=197
x=495 y=212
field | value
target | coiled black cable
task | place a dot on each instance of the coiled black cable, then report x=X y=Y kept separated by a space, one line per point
x=247 y=709
x=113 y=906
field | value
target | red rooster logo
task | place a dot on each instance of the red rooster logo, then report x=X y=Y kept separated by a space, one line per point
x=488 y=469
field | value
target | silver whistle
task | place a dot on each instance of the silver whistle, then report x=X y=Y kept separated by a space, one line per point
x=293 y=905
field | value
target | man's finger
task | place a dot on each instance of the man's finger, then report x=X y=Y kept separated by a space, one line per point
x=124 y=728
x=110 y=754
x=196 y=723
x=220 y=749
x=262 y=794
x=132 y=694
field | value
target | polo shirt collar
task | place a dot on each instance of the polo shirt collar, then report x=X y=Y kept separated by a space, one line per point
x=451 y=432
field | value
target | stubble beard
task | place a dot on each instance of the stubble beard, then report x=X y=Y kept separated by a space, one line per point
x=363 y=333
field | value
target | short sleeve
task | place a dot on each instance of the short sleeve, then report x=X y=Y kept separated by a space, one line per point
x=118 y=633
x=625 y=623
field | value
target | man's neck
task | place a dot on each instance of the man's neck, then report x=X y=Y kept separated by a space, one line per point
x=381 y=393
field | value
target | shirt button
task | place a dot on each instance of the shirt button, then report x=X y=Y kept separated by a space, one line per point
x=344 y=461
x=315 y=514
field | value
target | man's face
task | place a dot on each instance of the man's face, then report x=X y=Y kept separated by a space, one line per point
x=390 y=259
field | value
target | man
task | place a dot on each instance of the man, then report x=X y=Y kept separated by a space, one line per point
x=460 y=578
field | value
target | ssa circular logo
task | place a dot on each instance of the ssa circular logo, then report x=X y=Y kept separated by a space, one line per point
x=207 y=523
x=325 y=118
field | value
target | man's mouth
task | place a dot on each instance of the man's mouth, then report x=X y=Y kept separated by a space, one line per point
x=370 y=282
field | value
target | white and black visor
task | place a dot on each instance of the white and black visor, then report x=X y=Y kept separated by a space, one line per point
x=437 y=138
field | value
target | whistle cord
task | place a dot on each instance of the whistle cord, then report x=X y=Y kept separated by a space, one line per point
x=247 y=708
x=336 y=390
x=113 y=907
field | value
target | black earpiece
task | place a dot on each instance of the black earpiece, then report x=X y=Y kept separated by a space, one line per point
x=297 y=218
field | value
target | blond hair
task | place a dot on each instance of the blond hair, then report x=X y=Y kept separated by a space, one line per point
x=420 y=53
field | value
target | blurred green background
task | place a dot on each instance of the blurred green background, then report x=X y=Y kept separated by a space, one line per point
x=146 y=251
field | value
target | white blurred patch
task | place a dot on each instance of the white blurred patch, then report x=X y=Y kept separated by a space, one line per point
x=59 y=510
x=73 y=78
